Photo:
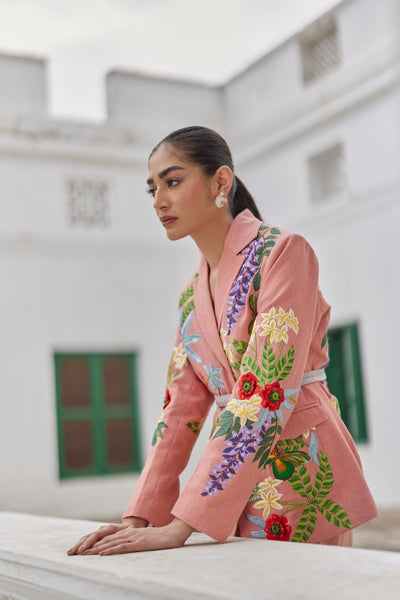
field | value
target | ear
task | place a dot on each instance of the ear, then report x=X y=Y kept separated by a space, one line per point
x=223 y=178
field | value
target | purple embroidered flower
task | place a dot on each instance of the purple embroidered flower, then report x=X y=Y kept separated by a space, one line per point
x=239 y=447
x=241 y=285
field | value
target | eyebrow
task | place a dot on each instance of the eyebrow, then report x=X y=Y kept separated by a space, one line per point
x=162 y=174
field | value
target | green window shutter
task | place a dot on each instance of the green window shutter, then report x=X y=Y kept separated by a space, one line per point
x=344 y=375
x=97 y=413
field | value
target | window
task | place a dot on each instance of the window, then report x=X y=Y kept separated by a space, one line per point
x=345 y=378
x=89 y=203
x=97 y=414
x=327 y=174
x=320 y=49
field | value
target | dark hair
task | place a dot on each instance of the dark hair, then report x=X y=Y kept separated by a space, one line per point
x=206 y=148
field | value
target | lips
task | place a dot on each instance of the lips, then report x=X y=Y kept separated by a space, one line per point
x=167 y=220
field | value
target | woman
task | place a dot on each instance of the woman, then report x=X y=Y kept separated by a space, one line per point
x=280 y=463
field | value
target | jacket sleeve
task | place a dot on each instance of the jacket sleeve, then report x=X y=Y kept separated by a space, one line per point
x=264 y=395
x=187 y=403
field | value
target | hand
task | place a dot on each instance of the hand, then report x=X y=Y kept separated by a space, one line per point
x=133 y=539
x=87 y=541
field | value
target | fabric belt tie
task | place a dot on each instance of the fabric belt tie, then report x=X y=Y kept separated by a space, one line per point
x=309 y=377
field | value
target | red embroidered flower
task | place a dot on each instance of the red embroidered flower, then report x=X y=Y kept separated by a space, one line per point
x=167 y=398
x=248 y=386
x=272 y=396
x=277 y=528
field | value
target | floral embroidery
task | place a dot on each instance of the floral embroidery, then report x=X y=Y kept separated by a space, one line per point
x=277 y=528
x=276 y=324
x=239 y=447
x=158 y=430
x=194 y=426
x=246 y=410
x=189 y=338
x=272 y=396
x=227 y=347
x=214 y=378
x=167 y=398
x=249 y=273
x=314 y=499
x=241 y=285
x=179 y=356
x=248 y=386
x=266 y=496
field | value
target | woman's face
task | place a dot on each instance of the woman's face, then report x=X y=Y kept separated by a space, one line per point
x=183 y=197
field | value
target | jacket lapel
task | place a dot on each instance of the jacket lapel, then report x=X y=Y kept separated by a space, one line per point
x=243 y=230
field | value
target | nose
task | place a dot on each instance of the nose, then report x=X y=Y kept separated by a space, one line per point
x=159 y=199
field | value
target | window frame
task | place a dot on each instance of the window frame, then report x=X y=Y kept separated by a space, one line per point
x=97 y=413
x=351 y=396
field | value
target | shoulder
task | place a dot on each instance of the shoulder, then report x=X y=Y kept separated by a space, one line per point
x=278 y=245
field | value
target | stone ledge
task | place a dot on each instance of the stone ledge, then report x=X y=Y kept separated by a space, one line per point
x=34 y=566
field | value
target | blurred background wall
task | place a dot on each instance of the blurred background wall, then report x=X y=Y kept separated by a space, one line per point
x=90 y=285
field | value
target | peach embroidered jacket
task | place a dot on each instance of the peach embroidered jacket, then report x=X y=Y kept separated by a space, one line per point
x=280 y=463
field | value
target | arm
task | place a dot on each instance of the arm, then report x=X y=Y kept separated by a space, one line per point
x=185 y=409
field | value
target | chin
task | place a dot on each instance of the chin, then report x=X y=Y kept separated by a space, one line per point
x=174 y=235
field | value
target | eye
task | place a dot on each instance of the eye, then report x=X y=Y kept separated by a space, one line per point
x=151 y=191
x=173 y=182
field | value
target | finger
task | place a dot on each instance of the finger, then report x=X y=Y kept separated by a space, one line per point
x=78 y=543
x=120 y=535
x=92 y=538
x=111 y=543
x=119 y=549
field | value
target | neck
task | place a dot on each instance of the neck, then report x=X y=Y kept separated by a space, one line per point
x=210 y=240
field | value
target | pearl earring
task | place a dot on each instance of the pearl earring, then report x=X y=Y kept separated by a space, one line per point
x=220 y=201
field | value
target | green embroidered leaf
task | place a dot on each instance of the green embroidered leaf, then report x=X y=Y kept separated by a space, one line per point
x=268 y=359
x=265 y=444
x=158 y=432
x=171 y=378
x=236 y=365
x=236 y=425
x=255 y=498
x=225 y=423
x=270 y=243
x=187 y=310
x=333 y=513
x=253 y=366
x=194 y=426
x=306 y=524
x=300 y=482
x=253 y=303
x=257 y=280
x=284 y=366
x=324 y=340
x=294 y=444
x=195 y=275
x=323 y=478
x=240 y=346
x=186 y=294
x=275 y=231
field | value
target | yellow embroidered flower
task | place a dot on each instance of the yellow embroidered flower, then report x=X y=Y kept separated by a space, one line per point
x=179 y=356
x=292 y=321
x=268 y=327
x=267 y=317
x=280 y=335
x=269 y=496
x=245 y=409
x=227 y=347
x=281 y=316
x=276 y=324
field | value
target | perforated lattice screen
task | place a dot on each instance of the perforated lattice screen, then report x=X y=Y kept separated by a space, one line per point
x=89 y=202
x=320 y=49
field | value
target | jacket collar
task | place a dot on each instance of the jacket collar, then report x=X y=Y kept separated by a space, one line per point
x=243 y=230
